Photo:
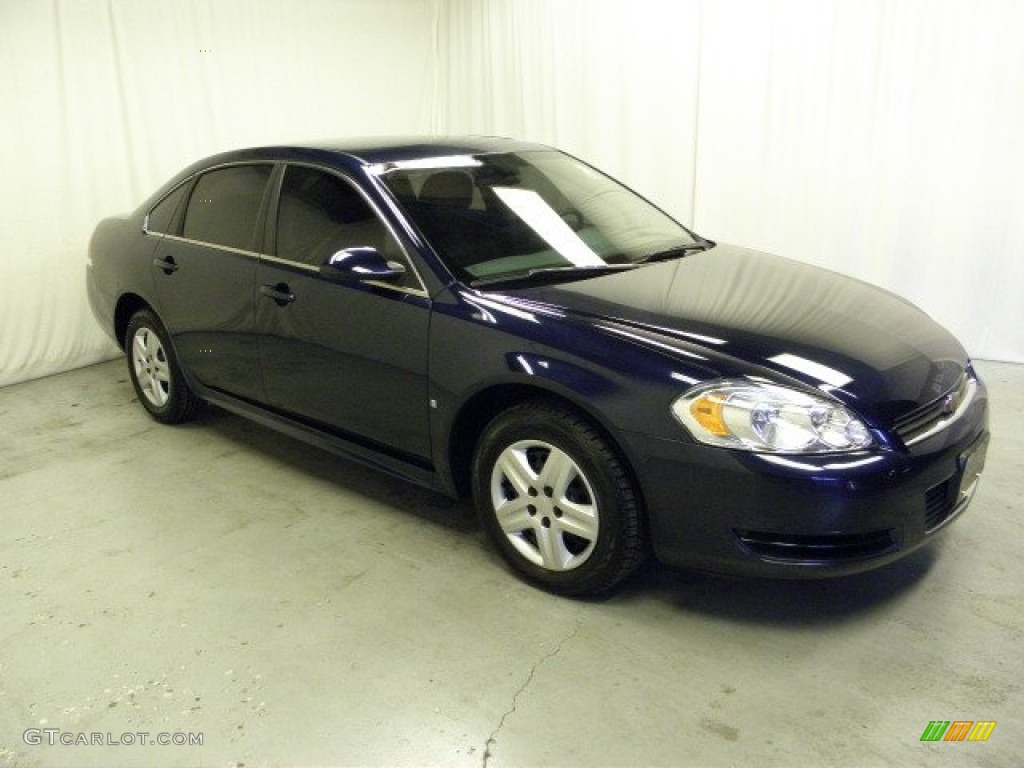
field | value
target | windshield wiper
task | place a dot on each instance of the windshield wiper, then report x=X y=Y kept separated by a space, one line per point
x=543 y=275
x=675 y=252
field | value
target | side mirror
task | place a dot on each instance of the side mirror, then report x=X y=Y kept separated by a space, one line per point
x=360 y=263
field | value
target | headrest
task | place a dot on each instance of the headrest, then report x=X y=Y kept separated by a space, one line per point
x=451 y=188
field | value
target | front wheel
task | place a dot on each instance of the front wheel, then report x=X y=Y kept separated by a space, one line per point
x=156 y=376
x=557 y=500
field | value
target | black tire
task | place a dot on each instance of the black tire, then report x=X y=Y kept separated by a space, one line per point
x=557 y=500
x=155 y=373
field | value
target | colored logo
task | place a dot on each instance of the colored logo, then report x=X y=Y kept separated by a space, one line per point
x=958 y=730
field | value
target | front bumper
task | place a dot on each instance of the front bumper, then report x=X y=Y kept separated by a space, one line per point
x=807 y=516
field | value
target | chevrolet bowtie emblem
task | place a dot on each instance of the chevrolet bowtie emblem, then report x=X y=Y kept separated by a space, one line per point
x=949 y=404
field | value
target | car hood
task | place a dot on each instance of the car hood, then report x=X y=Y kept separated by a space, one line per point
x=746 y=312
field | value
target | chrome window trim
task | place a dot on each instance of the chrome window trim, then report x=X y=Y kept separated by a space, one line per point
x=145 y=220
x=198 y=175
x=316 y=271
x=187 y=180
x=288 y=263
x=420 y=291
x=228 y=248
x=943 y=423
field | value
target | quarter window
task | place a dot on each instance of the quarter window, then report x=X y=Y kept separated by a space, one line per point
x=321 y=214
x=225 y=205
x=162 y=217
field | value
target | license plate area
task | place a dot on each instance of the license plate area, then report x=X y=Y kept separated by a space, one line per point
x=971 y=463
x=945 y=501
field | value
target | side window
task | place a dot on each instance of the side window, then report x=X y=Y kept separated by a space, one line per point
x=321 y=214
x=162 y=216
x=225 y=205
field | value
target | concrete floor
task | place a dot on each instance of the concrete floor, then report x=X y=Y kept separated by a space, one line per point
x=292 y=608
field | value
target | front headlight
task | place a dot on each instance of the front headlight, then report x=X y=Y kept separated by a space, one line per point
x=751 y=416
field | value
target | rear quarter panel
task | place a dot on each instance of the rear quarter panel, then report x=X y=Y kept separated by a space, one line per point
x=119 y=264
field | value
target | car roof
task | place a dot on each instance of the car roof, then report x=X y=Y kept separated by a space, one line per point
x=350 y=154
x=393 y=149
x=373 y=150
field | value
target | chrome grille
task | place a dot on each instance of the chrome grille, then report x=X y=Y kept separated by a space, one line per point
x=919 y=422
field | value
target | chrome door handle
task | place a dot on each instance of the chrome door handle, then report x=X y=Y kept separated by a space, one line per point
x=280 y=293
x=166 y=264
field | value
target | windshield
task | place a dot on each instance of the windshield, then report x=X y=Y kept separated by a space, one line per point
x=495 y=215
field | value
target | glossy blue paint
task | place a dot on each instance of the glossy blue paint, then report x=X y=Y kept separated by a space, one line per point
x=406 y=381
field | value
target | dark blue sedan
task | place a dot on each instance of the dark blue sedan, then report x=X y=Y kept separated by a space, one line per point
x=496 y=318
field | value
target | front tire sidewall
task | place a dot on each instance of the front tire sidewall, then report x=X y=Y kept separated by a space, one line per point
x=603 y=568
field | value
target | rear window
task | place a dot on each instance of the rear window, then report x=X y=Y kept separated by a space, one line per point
x=225 y=204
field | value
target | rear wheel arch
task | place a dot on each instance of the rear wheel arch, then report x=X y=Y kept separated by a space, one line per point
x=159 y=383
x=127 y=306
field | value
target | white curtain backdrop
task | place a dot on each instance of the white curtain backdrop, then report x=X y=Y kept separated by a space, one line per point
x=882 y=138
x=103 y=100
x=614 y=82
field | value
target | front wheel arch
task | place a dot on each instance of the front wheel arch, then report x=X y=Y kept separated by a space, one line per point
x=558 y=501
x=483 y=406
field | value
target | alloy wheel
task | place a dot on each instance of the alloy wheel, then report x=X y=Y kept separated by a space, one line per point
x=152 y=370
x=545 y=505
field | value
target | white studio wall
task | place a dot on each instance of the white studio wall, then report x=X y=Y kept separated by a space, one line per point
x=881 y=138
x=611 y=82
x=103 y=101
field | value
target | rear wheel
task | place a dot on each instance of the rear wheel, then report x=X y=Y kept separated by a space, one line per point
x=156 y=376
x=557 y=500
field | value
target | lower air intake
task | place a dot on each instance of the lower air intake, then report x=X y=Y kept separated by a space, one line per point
x=939 y=503
x=827 y=548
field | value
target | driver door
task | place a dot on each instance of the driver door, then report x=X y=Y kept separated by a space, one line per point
x=352 y=357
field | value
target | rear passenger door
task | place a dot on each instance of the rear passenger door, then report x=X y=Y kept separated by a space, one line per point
x=204 y=267
x=350 y=358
